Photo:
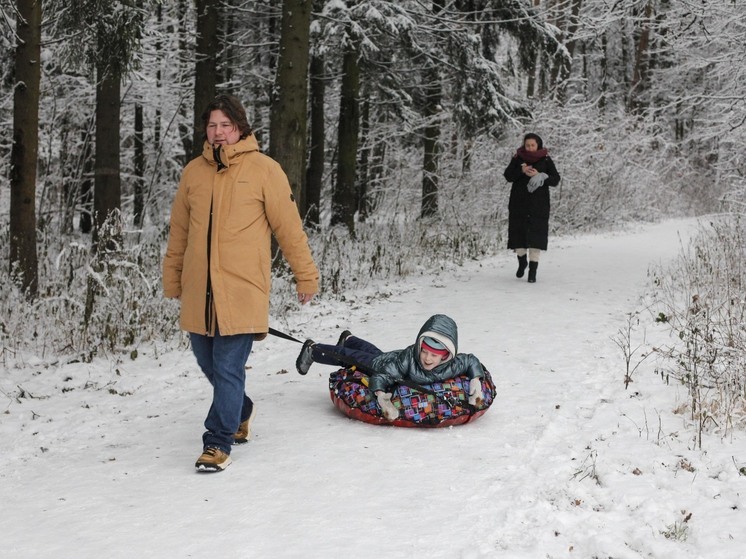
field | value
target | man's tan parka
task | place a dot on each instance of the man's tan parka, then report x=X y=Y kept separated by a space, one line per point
x=249 y=197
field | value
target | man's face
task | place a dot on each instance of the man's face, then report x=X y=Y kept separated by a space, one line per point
x=221 y=130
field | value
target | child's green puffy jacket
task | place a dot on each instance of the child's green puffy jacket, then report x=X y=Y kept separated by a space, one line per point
x=404 y=364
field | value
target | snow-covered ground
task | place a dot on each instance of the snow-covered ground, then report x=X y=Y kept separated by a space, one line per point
x=98 y=458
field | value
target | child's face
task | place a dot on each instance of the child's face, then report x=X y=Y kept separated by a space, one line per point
x=429 y=360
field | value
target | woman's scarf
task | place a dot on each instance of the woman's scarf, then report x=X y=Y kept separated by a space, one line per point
x=531 y=156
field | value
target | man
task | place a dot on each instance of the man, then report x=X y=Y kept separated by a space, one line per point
x=230 y=201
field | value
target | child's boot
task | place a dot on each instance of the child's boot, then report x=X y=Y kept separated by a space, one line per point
x=305 y=358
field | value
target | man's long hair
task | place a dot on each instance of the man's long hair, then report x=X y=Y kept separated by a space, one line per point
x=233 y=109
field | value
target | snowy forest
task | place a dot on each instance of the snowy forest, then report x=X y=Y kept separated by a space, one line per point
x=394 y=121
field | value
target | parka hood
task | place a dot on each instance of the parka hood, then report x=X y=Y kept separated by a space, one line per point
x=229 y=153
x=441 y=328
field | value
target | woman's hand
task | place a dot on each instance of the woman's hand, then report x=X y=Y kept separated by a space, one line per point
x=528 y=170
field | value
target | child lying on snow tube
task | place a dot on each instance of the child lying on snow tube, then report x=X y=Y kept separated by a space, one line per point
x=432 y=358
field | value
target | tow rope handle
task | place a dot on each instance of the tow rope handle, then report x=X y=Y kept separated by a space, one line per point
x=283 y=335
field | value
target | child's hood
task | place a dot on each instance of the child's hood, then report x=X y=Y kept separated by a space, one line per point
x=442 y=328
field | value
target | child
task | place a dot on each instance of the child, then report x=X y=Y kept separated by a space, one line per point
x=432 y=358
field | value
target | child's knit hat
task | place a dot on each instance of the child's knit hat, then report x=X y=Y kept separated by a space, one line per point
x=434 y=346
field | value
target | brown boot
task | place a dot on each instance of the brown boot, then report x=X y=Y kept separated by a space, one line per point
x=213 y=460
x=244 y=430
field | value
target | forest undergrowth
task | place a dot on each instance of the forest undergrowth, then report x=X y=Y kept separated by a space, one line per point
x=699 y=300
x=109 y=301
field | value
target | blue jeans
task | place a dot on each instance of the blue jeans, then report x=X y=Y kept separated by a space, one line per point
x=223 y=360
x=356 y=349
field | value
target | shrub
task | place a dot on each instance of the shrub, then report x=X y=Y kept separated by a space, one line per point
x=701 y=299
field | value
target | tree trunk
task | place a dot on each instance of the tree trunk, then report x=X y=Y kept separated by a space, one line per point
x=23 y=256
x=186 y=133
x=343 y=194
x=431 y=144
x=625 y=37
x=604 y=78
x=531 y=82
x=315 y=171
x=107 y=179
x=288 y=112
x=363 y=206
x=225 y=48
x=433 y=94
x=641 y=57
x=205 y=73
x=85 y=196
x=565 y=64
x=158 y=80
x=139 y=169
x=377 y=164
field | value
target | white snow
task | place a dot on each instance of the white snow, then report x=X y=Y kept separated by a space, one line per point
x=98 y=458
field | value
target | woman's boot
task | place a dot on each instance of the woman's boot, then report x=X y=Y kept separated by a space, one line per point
x=522 y=263
x=532 y=271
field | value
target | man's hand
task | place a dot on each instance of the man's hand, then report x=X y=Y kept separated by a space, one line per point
x=304 y=298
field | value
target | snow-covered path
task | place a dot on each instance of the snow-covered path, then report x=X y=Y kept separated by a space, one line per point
x=566 y=463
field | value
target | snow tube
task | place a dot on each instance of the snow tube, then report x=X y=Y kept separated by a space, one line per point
x=442 y=405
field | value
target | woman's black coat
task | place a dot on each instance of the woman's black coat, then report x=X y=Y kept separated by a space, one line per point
x=528 y=219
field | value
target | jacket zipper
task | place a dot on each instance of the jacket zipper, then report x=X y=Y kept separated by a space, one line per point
x=208 y=293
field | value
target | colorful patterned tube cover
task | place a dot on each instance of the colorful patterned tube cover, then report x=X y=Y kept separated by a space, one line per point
x=444 y=404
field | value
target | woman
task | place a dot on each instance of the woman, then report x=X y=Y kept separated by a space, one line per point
x=230 y=201
x=531 y=171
